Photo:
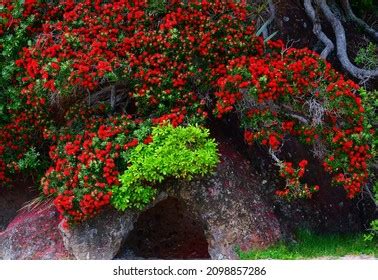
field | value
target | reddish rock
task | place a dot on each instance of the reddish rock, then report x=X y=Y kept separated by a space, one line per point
x=230 y=206
x=33 y=235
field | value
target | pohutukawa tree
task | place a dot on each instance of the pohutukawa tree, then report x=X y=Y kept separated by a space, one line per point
x=105 y=87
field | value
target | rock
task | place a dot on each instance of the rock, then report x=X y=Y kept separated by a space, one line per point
x=227 y=205
x=127 y=254
x=33 y=235
x=329 y=211
x=101 y=238
x=230 y=206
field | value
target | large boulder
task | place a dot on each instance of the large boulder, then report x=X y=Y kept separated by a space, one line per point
x=101 y=238
x=227 y=203
x=230 y=206
x=328 y=211
x=33 y=235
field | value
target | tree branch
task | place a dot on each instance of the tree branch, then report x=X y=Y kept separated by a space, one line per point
x=317 y=29
x=290 y=112
x=113 y=97
x=106 y=93
x=272 y=10
x=339 y=31
x=369 y=30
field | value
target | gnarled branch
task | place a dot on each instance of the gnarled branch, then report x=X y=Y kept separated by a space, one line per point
x=339 y=31
x=109 y=93
x=317 y=29
x=272 y=11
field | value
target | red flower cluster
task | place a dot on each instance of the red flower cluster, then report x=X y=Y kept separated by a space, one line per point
x=299 y=95
x=85 y=164
x=294 y=187
x=15 y=139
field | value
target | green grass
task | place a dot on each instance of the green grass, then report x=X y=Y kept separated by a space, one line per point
x=310 y=246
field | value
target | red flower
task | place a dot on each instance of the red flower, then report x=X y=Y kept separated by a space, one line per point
x=248 y=136
x=273 y=142
x=303 y=163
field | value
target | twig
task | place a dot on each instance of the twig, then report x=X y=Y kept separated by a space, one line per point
x=294 y=115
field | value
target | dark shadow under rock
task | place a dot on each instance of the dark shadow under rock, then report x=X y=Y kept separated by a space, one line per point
x=166 y=231
x=328 y=211
x=12 y=199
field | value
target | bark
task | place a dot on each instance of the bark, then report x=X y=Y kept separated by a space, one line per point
x=317 y=29
x=109 y=93
x=272 y=11
x=342 y=55
x=113 y=97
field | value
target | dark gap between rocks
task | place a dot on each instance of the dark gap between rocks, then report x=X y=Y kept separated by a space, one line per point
x=12 y=199
x=166 y=231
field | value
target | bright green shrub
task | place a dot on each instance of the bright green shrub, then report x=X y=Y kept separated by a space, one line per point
x=175 y=152
x=31 y=160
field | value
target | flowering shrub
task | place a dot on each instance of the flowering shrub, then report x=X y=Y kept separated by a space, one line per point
x=91 y=151
x=181 y=152
x=297 y=94
x=170 y=59
x=167 y=61
x=21 y=122
x=86 y=155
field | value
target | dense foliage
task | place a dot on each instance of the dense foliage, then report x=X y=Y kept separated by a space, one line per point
x=180 y=153
x=177 y=62
x=92 y=151
x=298 y=94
